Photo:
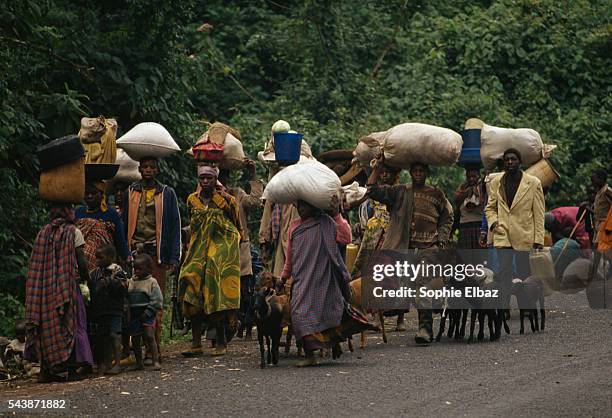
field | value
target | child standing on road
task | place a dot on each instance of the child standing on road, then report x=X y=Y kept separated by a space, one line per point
x=145 y=302
x=108 y=288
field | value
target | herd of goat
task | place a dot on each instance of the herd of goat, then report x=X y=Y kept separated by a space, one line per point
x=272 y=313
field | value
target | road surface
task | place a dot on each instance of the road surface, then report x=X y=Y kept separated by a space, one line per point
x=564 y=371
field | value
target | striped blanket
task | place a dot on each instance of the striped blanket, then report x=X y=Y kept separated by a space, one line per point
x=320 y=313
x=51 y=294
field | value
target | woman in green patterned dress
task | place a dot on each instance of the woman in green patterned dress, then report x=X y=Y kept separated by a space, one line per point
x=209 y=281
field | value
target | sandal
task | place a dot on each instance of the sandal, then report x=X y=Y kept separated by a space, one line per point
x=219 y=351
x=193 y=352
x=307 y=362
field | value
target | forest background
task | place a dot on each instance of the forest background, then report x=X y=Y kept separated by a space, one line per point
x=336 y=70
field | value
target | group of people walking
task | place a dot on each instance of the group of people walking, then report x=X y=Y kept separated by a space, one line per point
x=125 y=253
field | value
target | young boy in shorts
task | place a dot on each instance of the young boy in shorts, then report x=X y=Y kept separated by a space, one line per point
x=108 y=289
x=145 y=302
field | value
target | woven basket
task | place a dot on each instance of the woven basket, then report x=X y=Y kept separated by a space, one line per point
x=65 y=183
x=544 y=170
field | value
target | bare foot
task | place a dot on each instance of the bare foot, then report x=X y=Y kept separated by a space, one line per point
x=156 y=366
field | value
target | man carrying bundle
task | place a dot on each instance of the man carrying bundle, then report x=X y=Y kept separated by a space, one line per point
x=421 y=219
x=152 y=219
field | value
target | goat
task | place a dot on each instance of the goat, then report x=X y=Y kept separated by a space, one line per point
x=269 y=320
x=268 y=280
x=529 y=293
x=457 y=322
x=355 y=286
x=484 y=307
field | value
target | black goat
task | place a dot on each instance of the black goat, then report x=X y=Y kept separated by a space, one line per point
x=268 y=309
x=485 y=307
x=457 y=321
x=529 y=293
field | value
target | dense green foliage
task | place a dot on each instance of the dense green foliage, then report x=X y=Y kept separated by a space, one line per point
x=334 y=69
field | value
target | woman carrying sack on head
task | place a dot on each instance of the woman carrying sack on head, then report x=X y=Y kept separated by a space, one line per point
x=320 y=313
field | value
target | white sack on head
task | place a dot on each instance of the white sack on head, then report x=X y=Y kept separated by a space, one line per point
x=368 y=149
x=312 y=182
x=128 y=168
x=353 y=193
x=417 y=142
x=233 y=153
x=494 y=141
x=148 y=139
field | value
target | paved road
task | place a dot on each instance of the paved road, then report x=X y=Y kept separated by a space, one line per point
x=565 y=371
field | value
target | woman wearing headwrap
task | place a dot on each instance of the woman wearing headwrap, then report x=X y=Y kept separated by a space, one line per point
x=100 y=223
x=56 y=334
x=209 y=281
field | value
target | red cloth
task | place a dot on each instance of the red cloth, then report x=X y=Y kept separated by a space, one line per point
x=51 y=294
x=566 y=217
x=96 y=233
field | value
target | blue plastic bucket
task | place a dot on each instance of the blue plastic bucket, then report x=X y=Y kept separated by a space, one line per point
x=469 y=156
x=287 y=147
x=471 y=138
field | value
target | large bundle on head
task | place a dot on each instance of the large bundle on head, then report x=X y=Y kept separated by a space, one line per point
x=417 y=142
x=312 y=182
x=410 y=143
x=220 y=145
x=368 y=149
x=62 y=165
x=99 y=137
x=128 y=169
x=494 y=141
x=148 y=139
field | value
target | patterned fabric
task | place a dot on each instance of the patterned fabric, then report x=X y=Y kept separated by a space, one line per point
x=418 y=218
x=472 y=206
x=209 y=280
x=96 y=234
x=51 y=294
x=373 y=237
x=101 y=186
x=601 y=206
x=353 y=322
x=275 y=222
x=429 y=204
x=320 y=288
x=469 y=236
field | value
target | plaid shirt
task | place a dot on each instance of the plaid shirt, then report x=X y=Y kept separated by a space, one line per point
x=275 y=222
x=51 y=292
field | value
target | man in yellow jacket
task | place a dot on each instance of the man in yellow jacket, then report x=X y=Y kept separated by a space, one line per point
x=515 y=214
